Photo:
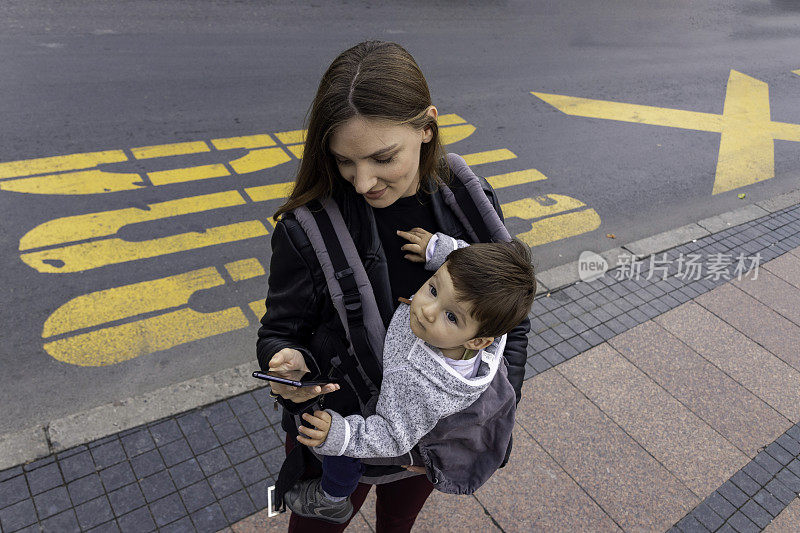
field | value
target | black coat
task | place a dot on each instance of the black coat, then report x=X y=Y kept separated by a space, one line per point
x=301 y=315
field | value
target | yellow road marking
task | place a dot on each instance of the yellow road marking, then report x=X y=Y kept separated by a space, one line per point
x=275 y=191
x=60 y=163
x=490 y=156
x=796 y=72
x=95 y=254
x=105 y=223
x=249 y=141
x=747 y=132
x=127 y=341
x=180 y=175
x=449 y=119
x=118 y=303
x=259 y=308
x=166 y=150
x=553 y=228
x=80 y=182
x=245 y=269
x=560 y=227
x=261 y=159
x=292 y=137
x=515 y=178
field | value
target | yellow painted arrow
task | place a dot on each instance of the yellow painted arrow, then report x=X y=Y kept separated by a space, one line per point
x=746 y=152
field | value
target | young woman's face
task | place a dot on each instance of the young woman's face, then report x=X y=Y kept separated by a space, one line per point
x=380 y=159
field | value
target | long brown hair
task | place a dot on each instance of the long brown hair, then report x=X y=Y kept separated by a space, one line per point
x=373 y=79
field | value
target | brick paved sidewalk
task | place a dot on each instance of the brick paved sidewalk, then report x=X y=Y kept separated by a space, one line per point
x=648 y=405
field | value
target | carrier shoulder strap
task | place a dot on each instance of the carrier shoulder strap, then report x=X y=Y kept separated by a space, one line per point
x=471 y=206
x=352 y=297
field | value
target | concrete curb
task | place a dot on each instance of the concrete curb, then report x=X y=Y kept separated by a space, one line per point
x=86 y=426
x=80 y=428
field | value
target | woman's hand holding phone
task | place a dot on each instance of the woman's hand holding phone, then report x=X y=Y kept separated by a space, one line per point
x=291 y=362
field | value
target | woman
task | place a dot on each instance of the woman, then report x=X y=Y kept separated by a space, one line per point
x=373 y=146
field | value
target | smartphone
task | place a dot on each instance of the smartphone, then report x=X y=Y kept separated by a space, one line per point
x=281 y=377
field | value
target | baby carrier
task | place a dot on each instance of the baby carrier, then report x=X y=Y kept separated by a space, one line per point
x=450 y=469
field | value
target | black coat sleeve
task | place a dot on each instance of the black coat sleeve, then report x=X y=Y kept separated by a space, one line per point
x=516 y=352
x=293 y=299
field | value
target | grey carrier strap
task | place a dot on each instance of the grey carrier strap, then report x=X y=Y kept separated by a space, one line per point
x=349 y=286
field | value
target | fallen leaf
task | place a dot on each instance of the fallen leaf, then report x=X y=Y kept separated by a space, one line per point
x=741 y=196
x=611 y=236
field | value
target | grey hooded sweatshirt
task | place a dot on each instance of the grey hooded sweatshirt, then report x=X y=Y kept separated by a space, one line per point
x=419 y=387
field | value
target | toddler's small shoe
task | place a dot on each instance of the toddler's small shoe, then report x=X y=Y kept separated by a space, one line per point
x=306 y=498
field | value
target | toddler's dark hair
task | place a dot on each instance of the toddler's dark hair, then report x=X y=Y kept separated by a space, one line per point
x=497 y=280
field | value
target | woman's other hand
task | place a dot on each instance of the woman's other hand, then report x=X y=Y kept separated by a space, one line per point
x=418 y=240
x=291 y=361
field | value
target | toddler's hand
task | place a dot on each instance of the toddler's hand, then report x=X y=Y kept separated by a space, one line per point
x=418 y=240
x=321 y=420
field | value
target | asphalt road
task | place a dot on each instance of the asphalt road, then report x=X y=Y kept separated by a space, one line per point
x=118 y=284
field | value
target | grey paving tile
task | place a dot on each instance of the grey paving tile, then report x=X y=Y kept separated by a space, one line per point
x=756 y=472
x=75 y=450
x=126 y=499
x=202 y=440
x=591 y=337
x=535 y=343
x=44 y=478
x=33 y=465
x=733 y=494
x=237 y=506
x=242 y=403
x=756 y=514
x=258 y=493
x=215 y=460
x=742 y=524
x=76 y=465
x=273 y=460
x=225 y=483
x=186 y=473
x=551 y=337
x=168 y=509
x=780 y=491
x=18 y=515
x=777 y=452
x=788 y=478
x=566 y=350
x=138 y=442
x=191 y=422
x=108 y=454
x=539 y=363
x=766 y=462
x=147 y=463
x=689 y=524
x=52 y=502
x=165 y=432
x=705 y=515
x=616 y=326
x=579 y=344
x=106 y=527
x=175 y=452
x=552 y=356
x=116 y=476
x=240 y=450
x=769 y=502
x=218 y=412
x=138 y=521
x=184 y=525
x=60 y=523
x=604 y=331
x=564 y=331
x=197 y=496
x=746 y=483
x=156 y=486
x=252 y=471
x=94 y=513
x=209 y=518
x=789 y=444
x=85 y=489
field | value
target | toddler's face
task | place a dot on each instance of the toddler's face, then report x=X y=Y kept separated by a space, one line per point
x=438 y=317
